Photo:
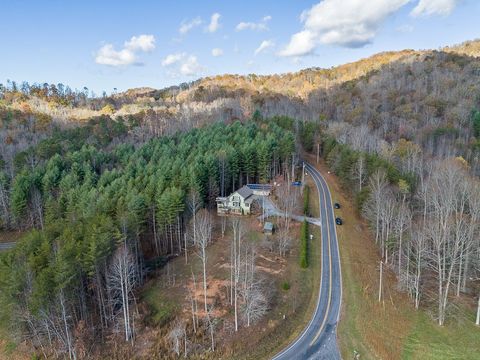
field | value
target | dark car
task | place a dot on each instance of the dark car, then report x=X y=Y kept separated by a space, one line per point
x=338 y=221
x=336 y=206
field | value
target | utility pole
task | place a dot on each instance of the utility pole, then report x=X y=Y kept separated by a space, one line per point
x=303 y=175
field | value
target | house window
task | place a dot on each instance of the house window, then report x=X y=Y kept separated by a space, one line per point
x=236 y=204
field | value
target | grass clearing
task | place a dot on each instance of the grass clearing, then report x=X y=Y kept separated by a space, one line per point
x=391 y=329
x=162 y=309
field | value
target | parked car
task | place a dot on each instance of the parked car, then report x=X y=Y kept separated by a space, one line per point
x=338 y=221
x=336 y=206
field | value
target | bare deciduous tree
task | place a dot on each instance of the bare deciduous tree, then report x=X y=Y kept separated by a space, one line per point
x=176 y=334
x=204 y=237
x=283 y=240
x=373 y=207
x=121 y=280
x=255 y=302
x=359 y=171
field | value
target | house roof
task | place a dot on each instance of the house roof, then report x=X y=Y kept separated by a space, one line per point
x=260 y=186
x=244 y=192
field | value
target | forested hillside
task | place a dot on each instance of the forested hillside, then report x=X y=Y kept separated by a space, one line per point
x=100 y=215
x=425 y=96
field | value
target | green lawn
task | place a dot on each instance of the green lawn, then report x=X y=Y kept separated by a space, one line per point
x=460 y=339
x=162 y=310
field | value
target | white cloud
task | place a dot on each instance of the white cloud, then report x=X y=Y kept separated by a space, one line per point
x=142 y=42
x=185 y=64
x=349 y=23
x=260 y=26
x=191 y=66
x=353 y=23
x=214 y=23
x=217 y=52
x=173 y=58
x=107 y=55
x=186 y=26
x=264 y=46
x=434 y=7
x=301 y=43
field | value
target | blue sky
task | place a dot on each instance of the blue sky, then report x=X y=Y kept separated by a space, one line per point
x=125 y=44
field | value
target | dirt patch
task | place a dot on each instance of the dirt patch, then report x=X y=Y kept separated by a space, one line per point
x=10 y=236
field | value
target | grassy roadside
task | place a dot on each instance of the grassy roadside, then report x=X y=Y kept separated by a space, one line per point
x=391 y=329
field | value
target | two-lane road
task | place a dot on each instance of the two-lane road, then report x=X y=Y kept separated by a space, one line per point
x=318 y=339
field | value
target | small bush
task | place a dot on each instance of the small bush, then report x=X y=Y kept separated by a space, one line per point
x=286 y=285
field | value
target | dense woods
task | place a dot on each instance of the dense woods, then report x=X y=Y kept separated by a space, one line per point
x=100 y=217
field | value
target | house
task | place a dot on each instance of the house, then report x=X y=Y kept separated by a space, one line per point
x=238 y=203
x=268 y=228
x=241 y=201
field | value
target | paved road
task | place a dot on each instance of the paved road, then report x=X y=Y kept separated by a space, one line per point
x=6 y=246
x=318 y=339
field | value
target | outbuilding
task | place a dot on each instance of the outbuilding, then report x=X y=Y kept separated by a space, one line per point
x=268 y=228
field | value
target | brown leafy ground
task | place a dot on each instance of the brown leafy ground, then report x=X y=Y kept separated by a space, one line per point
x=10 y=236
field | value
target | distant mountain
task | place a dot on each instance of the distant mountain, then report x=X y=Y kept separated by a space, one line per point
x=422 y=95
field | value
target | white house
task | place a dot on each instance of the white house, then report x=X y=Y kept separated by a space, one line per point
x=240 y=202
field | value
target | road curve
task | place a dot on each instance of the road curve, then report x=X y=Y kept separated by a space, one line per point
x=318 y=340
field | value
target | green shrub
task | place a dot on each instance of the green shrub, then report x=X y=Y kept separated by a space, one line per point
x=476 y=123
x=304 y=245
x=306 y=200
x=286 y=285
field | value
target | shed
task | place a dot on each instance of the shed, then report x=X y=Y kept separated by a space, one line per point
x=268 y=228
